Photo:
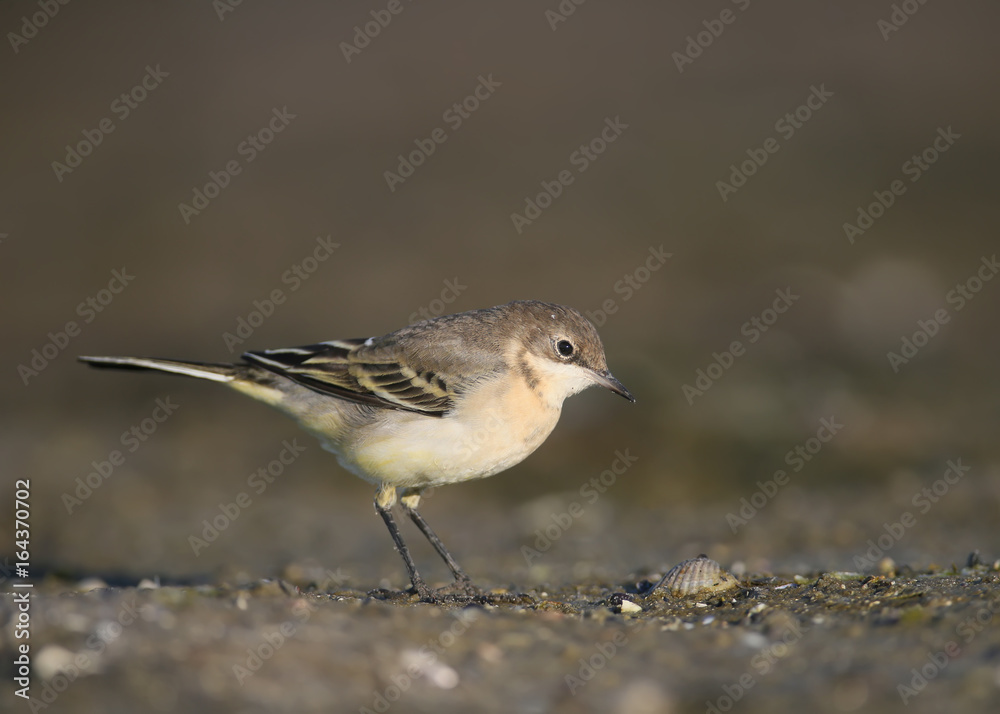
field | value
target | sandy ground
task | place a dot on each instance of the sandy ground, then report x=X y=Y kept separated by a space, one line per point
x=571 y=632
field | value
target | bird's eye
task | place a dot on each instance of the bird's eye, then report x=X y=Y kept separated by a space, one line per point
x=564 y=347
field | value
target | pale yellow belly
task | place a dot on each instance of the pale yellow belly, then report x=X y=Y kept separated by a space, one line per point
x=483 y=437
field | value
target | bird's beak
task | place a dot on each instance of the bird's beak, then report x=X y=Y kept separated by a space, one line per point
x=608 y=381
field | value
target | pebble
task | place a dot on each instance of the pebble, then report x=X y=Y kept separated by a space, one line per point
x=628 y=607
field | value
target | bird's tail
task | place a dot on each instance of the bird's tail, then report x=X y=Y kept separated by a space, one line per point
x=217 y=372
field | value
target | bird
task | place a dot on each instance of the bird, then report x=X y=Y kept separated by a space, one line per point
x=440 y=401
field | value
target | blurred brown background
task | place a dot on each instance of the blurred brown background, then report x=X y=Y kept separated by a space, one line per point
x=220 y=80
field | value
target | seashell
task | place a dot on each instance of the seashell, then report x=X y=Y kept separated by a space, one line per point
x=698 y=576
x=630 y=608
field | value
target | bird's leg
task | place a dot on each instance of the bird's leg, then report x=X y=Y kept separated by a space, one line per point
x=384 y=500
x=409 y=503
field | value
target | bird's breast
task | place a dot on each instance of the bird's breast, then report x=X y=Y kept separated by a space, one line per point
x=491 y=428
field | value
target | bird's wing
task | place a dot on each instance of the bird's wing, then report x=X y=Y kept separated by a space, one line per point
x=345 y=369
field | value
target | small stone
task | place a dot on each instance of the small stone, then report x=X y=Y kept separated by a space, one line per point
x=755 y=640
x=51 y=660
x=628 y=607
x=88 y=584
x=645 y=696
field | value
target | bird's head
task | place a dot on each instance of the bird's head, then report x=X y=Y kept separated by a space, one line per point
x=558 y=351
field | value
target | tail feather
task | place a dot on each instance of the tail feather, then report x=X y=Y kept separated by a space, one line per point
x=217 y=372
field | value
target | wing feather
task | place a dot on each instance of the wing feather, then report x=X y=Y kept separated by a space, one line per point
x=358 y=371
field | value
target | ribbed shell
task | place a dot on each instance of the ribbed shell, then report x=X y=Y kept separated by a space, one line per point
x=698 y=576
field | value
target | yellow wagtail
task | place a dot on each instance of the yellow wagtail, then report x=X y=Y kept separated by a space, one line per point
x=445 y=400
